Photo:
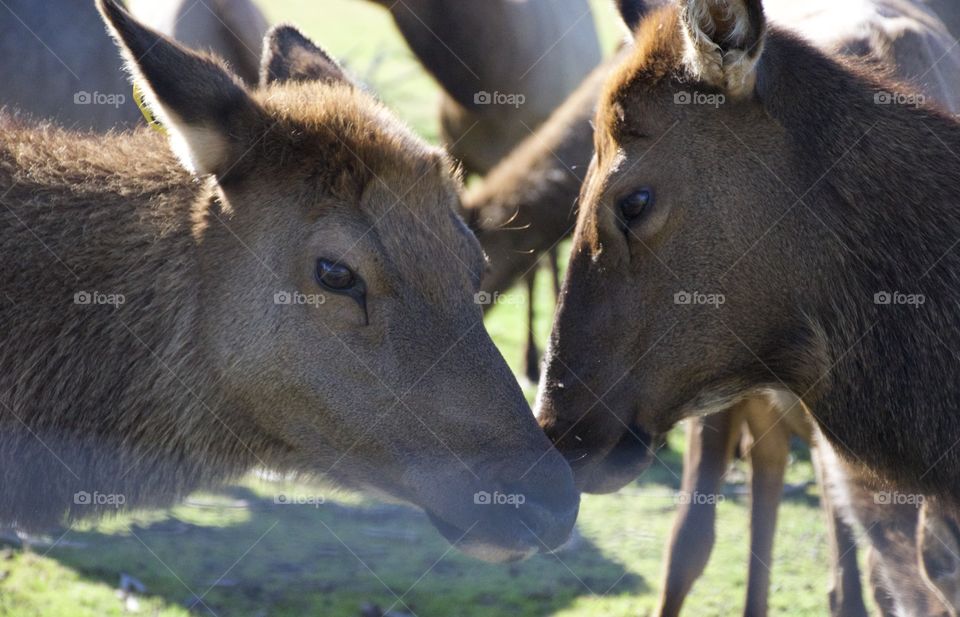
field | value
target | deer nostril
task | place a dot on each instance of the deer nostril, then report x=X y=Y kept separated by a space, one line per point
x=550 y=523
x=634 y=445
x=548 y=504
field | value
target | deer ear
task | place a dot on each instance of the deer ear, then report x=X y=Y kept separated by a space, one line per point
x=196 y=98
x=290 y=56
x=632 y=11
x=724 y=41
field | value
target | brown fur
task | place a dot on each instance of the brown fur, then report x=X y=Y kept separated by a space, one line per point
x=799 y=315
x=201 y=374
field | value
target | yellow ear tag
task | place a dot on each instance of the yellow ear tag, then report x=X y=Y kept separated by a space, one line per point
x=152 y=121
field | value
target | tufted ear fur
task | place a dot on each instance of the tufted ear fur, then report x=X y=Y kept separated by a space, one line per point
x=724 y=41
x=290 y=56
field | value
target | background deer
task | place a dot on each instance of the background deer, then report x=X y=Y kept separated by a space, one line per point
x=504 y=67
x=531 y=54
x=260 y=297
x=64 y=48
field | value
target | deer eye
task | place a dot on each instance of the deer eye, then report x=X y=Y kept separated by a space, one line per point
x=335 y=276
x=635 y=204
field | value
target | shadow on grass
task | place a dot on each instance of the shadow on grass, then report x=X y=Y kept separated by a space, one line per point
x=236 y=552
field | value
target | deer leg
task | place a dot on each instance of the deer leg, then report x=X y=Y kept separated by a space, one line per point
x=886 y=607
x=768 y=461
x=845 y=592
x=710 y=442
x=532 y=354
x=938 y=542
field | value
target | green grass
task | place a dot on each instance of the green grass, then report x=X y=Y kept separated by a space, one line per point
x=247 y=556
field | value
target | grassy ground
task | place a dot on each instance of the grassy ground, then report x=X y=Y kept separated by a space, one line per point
x=238 y=553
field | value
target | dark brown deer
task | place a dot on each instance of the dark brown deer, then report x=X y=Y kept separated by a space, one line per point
x=908 y=40
x=797 y=128
x=524 y=206
x=269 y=299
x=630 y=251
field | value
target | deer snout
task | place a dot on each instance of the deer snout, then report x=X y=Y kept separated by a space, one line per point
x=551 y=501
x=605 y=451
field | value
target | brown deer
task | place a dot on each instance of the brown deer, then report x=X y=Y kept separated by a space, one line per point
x=780 y=331
x=901 y=33
x=908 y=40
x=75 y=75
x=778 y=328
x=532 y=54
x=504 y=67
x=710 y=446
x=524 y=206
x=265 y=294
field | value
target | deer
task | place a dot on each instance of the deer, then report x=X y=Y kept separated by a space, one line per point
x=528 y=55
x=652 y=359
x=76 y=78
x=525 y=205
x=910 y=559
x=257 y=287
x=906 y=39
x=905 y=33
x=504 y=68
